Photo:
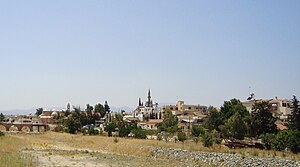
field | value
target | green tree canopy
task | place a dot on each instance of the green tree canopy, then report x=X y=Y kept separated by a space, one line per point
x=1 y=117
x=197 y=130
x=100 y=109
x=236 y=127
x=231 y=107
x=106 y=107
x=262 y=120
x=214 y=119
x=294 y=118
x=169 y=124
x=39 y=111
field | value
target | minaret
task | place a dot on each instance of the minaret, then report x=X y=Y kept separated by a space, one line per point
x=140 y=102
x=149 y=99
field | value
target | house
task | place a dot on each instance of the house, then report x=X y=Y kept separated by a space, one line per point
x=181 y=108
x=149 y=125
x=279 y=107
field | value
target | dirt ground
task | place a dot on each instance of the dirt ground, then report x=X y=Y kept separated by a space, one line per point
x=56 y=149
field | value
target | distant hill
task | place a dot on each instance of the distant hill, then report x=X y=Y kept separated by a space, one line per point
x=18 y=111
x=33 y=110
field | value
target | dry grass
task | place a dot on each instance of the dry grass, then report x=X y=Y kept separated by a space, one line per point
x=10 y=153
x=105 y=149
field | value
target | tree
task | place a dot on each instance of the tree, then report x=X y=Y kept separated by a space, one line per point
x=169 y=123
x=139 y=133
x=287 y=139
x=106 y=107
x=73 y=125
x=262 y=120
x=181 y=136
x=89 y=115
x=197 y=130
x=68 y=111
x=39 y=111
x=294 y=118
x=207 y=140
x=1 y=117
x=236 y=127
x=214 y=119
x=100 y=109
x=231 y=107
x=110 y=127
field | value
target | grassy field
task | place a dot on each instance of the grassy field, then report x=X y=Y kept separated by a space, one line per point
x=79 y=150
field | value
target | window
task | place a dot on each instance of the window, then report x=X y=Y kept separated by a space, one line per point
x=190 y=108
x=283 y=104
x=176 y=108
x=171 y=108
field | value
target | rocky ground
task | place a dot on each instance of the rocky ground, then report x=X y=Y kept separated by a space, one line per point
x=219 y=159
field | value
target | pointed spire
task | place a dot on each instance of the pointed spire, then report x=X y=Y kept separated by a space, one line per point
x=140 y=102
x=149 y=94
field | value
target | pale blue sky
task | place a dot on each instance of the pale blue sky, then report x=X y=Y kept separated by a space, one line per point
x=202 y=52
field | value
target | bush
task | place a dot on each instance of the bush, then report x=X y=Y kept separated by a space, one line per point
x=207 y=140
x=116 y=140
x=1 y=133
x=181 y=136
x=139 y=133
x=287 y=139
x=197 y=130
x=267 y=140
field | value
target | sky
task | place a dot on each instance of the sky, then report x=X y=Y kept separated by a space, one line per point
x=203 y=52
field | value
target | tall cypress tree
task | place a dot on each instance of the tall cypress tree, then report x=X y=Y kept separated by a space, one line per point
x=106 y=107
x=294 y=118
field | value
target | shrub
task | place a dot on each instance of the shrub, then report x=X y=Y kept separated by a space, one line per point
x=139 y=133
x=181 y=136
x=197 y=130
x=116 y=140
x=287 y=139
x=1 y=133
x=207 y=140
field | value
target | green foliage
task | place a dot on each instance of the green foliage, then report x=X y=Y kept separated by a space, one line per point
x=231 y=107
x=169 y=124
x=287 y=139
x=90 y=131
x=214 y=119
x=236 y=127
x=88 y=116
x=1 y=133
x=106 y=107
x=207 y=140
x=216 y=137
x=1 y=117
x=181 y=136
x=110 y=127
x=262 y=120
x=39 y=111
x=139 y=133
x=267 y=139
x=294 y=118
x=73 y=125
x=197 y=130
x=100 y=109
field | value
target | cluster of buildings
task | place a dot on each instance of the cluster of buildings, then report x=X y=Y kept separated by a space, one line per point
x=147 y=114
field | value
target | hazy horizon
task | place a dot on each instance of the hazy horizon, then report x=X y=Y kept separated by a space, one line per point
x=203 y=52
